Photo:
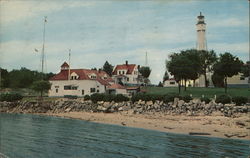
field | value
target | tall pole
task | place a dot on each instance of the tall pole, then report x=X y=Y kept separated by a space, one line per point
x=146 y=60
x=69 y=65
x=45 y=20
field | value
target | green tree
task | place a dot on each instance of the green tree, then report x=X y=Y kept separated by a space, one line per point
x=108 y=68
x=41 y=86
x=160 y=84
x=145 y=72
x=227 y=66
x=207 y=59
x=166 y=76
x=246 y=69
x=4 y=76
x=178 y=67
x=194 y=64
x=218 y=80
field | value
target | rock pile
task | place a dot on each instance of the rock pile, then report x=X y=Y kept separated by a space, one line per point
x=194 y=107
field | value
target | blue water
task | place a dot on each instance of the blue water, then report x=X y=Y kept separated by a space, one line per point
x=31 y=136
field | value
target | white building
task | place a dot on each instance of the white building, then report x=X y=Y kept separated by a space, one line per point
x=78 y=82
x=170 y=83
x=126 y=74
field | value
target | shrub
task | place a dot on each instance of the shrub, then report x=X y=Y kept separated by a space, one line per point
x=86 y=97
x=205 y=99
x=157 y=97
x=224 y=99
x=140 y=96
x=186 y=98
x=170 y=97
x=97 y=97
x=120 y=98
x=10 y=97
x=109 y=97
x=239 y=100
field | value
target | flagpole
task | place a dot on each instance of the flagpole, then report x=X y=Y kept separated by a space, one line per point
x=69 y=65
x=45 y=20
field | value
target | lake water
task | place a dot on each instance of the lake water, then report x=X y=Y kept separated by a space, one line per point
x=32 y=136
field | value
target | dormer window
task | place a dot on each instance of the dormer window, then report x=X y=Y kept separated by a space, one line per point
x=105 y=77
x=74 y=76
x=92 y=76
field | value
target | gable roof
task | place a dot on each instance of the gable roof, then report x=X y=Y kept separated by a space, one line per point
x=65 y=64
x=116 y=86
x=84 y=75
x=129 y=67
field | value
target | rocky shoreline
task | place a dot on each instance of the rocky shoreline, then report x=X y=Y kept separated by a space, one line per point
x=178 y=107
x=212 y=119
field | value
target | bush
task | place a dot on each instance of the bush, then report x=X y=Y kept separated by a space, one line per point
x=97 y=97
x=157 y=97
x=120 y=98
x=186 y=98
x=205 y=99
x=224 y=99
x=86 y=97
x=239 y=100
x=109 y=97
x=10 y=97
x=170 y=97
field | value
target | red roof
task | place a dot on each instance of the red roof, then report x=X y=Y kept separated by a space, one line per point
x=116 y=86
x=101 y=76
x=128 y=67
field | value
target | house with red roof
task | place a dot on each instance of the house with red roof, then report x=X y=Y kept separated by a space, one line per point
x=127 y=74
x=79 y=82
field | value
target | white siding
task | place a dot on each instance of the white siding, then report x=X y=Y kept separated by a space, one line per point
x=81 y=84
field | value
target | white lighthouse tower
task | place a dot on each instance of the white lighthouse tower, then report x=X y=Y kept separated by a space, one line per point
x=201 y=33
x=201 y=44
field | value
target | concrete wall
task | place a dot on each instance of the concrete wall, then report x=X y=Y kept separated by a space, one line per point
x=80 y=84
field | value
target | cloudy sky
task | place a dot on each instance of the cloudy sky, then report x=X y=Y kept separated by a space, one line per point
x=116 y=31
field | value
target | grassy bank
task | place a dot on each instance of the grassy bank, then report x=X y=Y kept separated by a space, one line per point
x=198 y=91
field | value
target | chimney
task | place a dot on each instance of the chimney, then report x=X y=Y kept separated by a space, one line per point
x=126 y=62
x=138 y=66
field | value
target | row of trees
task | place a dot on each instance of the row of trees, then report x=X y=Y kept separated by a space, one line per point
x=191 y=64
x=22 y=78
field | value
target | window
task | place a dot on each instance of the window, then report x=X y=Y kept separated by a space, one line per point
x=92 y=90
x=171 y=82
x=97 y=90
x=73 y=77
x=70 y=87
x=82 y=92
x=56 y=90
x=67 y=87
x=93 y=77
x=97 y=86
x=127 y=79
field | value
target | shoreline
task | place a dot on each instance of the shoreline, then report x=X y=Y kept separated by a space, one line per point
x=209 y=126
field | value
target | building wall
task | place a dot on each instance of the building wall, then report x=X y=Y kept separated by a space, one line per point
x=167 y=83
x=81 y=84
x=238 y=81
x=121 y=91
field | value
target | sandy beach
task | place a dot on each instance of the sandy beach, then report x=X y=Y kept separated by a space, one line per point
x=215 y=126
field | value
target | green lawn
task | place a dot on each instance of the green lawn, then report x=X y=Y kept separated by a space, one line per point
x=197 y=92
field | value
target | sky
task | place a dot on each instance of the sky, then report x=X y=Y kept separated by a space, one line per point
x=116 y=31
